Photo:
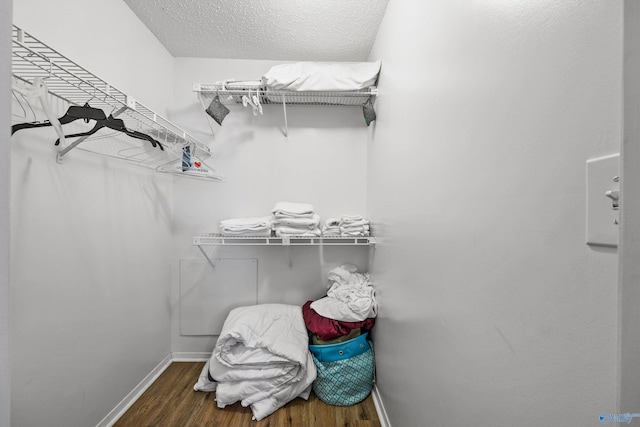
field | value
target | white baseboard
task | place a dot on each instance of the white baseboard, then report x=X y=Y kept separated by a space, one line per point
x=377 y=401
x=190 y=356
x=130 y=399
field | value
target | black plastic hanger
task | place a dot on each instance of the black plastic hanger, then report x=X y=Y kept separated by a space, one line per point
x=73 y=113
x=118 y=125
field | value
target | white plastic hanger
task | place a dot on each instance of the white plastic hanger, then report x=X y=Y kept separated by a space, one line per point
x=22 y=103
x=204 y=171
x=253 y=101
x=38 y=89
x=246 y=101
x=256 y=102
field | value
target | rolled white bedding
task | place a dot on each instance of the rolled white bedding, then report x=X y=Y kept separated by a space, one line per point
x=261 y=359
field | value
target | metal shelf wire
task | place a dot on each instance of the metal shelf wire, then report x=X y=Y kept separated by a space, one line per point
x=215 y=239
x=74 y=85
x=220 y=239
x=231 y=93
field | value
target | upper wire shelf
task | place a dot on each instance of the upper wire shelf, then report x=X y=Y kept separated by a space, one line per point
x=232 y=93
x=244 y=92
x=72 y=84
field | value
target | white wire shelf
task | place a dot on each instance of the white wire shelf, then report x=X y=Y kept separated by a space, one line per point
x=230 y=93
x=213 y=239
x=72 y=84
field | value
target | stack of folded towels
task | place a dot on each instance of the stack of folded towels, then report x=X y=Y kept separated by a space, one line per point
x=295 y=219
x=331 y=227
x=257 y=226
x=347 y=225
x=354 y=225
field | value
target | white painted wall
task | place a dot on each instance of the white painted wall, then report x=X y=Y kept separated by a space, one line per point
x=5 y=114
x=493 y=311
x=323 y=162
x=630 y=215
x=91 y=238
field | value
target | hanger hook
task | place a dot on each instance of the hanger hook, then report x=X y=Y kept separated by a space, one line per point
x=93 y=96
x=50 y=67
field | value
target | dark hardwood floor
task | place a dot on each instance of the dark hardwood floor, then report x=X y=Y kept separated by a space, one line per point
x=172 y=402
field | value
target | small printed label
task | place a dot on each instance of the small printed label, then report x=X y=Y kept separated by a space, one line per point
x=200 y=171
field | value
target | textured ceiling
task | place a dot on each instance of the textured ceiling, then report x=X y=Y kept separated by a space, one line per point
x=293 y=30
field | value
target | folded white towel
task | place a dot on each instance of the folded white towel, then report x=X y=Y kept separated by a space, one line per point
x=331 y=222
x=292 y=231
x=306 y=223
x=292 y=210
x=354 y=232
x=331 y=231
x=354 y=223
x=354 y=227
x=351 y=218
x=242 y=223
x=254 y=226
x=265 y=232
x=331 y=227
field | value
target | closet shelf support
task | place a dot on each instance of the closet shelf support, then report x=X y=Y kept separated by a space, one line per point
x=213 y=266
x=286 y=124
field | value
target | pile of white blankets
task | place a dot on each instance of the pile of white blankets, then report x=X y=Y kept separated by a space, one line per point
x=346 y=225
x=295 y=219
x=257 y=226
x=261 y=359
x=350 y=297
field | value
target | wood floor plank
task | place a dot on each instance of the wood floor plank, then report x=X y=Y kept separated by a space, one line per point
x=171 y=402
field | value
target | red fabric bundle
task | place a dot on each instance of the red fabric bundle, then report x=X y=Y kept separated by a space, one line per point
x=327 y=329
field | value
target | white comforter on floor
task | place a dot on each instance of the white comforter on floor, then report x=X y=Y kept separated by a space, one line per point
x=261 y=359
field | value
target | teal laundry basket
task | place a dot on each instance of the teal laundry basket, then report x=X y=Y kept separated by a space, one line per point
x=346 y=371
